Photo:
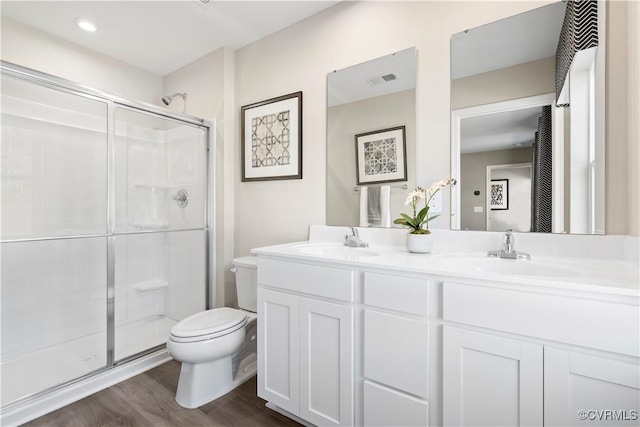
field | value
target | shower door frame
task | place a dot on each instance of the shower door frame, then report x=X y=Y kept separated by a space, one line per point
x=112 y=102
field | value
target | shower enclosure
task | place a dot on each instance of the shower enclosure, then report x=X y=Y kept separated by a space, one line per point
x=104 y=230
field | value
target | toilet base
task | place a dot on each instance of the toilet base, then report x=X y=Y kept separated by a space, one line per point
x=202 y=383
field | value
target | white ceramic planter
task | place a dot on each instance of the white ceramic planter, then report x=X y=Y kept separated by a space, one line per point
x=419 y=243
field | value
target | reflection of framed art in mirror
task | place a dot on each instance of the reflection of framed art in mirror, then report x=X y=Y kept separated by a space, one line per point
x=381 y=156
x=499 y=194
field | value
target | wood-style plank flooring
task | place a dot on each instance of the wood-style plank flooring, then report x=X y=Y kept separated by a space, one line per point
x=148 y=399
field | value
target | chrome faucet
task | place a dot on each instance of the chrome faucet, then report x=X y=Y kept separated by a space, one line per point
x=353 y=241
x=508 y=250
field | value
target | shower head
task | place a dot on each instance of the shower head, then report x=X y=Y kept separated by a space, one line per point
x=167 y=100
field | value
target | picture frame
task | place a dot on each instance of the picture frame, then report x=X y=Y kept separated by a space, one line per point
x=499 y=194
x=381 y=156
x=271 y=139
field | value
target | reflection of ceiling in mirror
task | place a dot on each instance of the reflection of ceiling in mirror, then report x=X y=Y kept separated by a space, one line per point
x=499 y=131
x=364 y=81
x=507 y=42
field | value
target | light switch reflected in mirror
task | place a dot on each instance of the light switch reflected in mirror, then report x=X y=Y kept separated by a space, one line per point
x=522 y=162
x=377 y=95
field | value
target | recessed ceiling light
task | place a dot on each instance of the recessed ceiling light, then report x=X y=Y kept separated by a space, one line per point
x=86 y=25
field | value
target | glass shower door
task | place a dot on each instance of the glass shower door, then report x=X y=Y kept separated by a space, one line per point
x=54 y=161
x=103 y=232
x=160 y=179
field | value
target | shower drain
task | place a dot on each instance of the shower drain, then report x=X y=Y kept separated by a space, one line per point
x=87 y=359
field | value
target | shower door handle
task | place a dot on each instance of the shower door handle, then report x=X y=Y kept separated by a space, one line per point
x=181 y=198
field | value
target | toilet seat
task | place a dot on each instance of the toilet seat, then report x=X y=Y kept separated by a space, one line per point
x=208 y=324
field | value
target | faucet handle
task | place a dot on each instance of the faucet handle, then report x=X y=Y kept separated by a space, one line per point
x=508 y=242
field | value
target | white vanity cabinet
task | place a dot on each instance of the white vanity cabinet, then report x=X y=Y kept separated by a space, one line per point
x=509 y=353
x=396 y=350
x=305 y=340
x=605 y=388
x=407 y=340
x=490 y=380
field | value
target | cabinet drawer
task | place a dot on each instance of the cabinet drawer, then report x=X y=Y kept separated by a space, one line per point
x=328 y=282
x=396 y=352
x=405 y=294
x=602 y=325
x=385 y=407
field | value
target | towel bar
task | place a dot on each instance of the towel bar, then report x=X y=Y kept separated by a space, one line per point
x=404 y=187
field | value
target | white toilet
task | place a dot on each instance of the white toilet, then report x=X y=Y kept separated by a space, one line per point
x=218 y=347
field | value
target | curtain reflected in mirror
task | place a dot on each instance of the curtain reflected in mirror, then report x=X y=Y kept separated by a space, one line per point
x=510 y=124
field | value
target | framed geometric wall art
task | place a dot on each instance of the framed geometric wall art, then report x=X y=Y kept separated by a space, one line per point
x=271 y=134
x=381 y=156
x=499 y=194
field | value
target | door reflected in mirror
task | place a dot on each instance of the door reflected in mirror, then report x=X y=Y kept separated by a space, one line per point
x=372 y=99
x=506 y=127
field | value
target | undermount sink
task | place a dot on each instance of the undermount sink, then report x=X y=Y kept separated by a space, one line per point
x=334 y=250
x=480 y=263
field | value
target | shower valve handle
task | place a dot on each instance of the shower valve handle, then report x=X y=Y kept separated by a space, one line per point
x=181 y=198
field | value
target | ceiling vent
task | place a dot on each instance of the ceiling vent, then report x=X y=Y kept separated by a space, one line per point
x=382 y=79
x=203 y=3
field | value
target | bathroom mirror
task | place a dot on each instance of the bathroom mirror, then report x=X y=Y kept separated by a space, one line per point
x=373 y=101
x=522 y=162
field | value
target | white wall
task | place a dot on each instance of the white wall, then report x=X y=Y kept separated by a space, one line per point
x=519 y=81
x=343 y=123
x=208 y=83
x=622 y=158
x=299 y=58
x=26 y=46
x=633 y=112
x=473 y=176
x=518 y=215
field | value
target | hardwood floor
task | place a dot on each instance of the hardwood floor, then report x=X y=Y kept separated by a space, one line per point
x=148 y=400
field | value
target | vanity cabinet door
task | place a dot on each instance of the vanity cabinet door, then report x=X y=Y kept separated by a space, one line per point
x=279 y=349
x=396 y=352
x=384 y=407
x=326 y=363
x=490 y=380
x=582 y=389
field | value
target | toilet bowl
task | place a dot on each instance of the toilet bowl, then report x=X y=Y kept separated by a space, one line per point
x=216 y=352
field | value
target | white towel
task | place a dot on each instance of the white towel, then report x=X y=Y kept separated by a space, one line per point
x=379 y=214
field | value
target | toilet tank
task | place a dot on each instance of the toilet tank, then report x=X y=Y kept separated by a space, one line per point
x=247 y=282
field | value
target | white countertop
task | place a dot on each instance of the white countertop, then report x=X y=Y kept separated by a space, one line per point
x=566 y=273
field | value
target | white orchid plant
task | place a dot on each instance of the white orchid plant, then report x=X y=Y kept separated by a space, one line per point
x=418 y=223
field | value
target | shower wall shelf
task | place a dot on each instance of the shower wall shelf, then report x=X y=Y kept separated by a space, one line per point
x=151 y=285
x=164 y=225
x=162 y=185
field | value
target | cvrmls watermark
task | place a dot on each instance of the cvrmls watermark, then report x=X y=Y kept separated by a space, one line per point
x=608 y=415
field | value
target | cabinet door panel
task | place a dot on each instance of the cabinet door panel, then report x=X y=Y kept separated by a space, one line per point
x=385 y=407
x=396 y=352
x=326 y=365
x=278 y=337
x=606 y=391
x=490 y=380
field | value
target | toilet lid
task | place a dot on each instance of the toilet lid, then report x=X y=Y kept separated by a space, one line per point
x=246 y=261
x=208 y=322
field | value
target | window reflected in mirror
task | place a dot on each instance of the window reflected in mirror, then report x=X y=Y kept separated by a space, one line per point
x=508 y=124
